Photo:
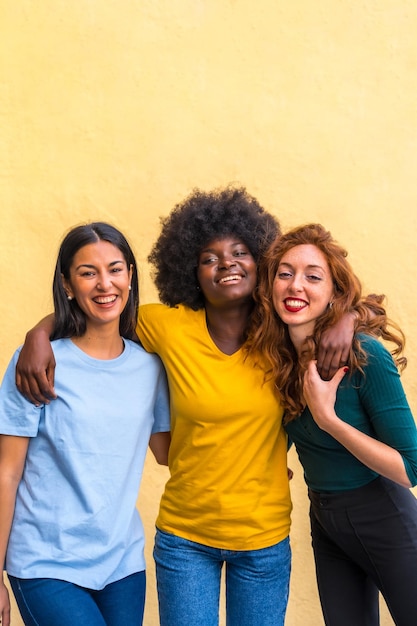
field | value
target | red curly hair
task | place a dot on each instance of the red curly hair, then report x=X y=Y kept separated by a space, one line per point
x=268 y=335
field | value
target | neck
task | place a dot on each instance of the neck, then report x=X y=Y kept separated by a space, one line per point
x=297 y=337
x=100 y=343
x=227 y=327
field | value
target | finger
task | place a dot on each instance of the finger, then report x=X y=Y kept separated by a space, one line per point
x=334 y=362
x=312 y=370
x=344 y=358
x=50 y=375
x=324 y=364
x=324 y=358
x=26 y=391
x=338 y=377
x=321 y=358
x=33 y=391
x=40 y=385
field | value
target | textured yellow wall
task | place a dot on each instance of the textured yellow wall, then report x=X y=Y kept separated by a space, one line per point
x=115 y=110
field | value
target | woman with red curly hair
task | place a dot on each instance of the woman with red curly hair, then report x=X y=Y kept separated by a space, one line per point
x=355 y=435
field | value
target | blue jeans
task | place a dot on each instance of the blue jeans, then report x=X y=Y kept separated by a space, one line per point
x=51 y=602
x=188 y=578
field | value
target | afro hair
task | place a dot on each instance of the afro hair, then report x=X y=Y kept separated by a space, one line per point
x=200 y=218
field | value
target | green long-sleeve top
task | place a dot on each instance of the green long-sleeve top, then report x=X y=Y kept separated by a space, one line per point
x=374 y=403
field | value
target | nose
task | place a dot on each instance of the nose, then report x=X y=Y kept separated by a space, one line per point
x=226 y=262
x=104 y=281
x=296 y=284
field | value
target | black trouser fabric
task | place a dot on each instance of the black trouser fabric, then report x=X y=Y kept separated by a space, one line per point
x=365 y=540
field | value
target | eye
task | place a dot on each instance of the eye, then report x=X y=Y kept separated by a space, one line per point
x=88 y=273
x=116 y=270
x=284 y=275
x=208 y=260
x=314 y=278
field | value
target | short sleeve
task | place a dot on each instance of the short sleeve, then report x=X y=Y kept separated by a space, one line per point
x=17 y=415
x=162 y=422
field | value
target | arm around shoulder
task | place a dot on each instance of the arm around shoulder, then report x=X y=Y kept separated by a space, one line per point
x=36 y=364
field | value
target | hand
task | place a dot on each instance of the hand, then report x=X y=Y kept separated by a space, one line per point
x=335 y=345
x=35 y=369
x=4 y=605
x=320 y=395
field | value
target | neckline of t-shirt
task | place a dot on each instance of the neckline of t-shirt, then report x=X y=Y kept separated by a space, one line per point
x=104 y=363
x=226 y=356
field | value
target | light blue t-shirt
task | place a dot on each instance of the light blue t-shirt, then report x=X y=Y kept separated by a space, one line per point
x=75 y=516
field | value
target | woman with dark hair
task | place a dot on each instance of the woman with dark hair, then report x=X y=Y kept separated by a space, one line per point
x=70 y=535
x=227 y=500
x=69 y=319
x=355 y=435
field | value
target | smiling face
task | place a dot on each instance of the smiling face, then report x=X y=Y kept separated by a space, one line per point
x=302 y=289
x=226 y=271
x=99 y=281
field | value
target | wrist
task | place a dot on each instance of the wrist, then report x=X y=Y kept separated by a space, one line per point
x=327 y=421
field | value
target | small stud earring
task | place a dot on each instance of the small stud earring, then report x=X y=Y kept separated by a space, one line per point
x=130 y=287
x=69 y=297
x=330 y=305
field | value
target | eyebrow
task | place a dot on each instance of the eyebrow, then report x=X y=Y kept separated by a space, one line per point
x=310 y=267
x=236 y=243
x=92 y=266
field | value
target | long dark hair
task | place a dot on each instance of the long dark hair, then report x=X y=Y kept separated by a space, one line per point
x=70 y=321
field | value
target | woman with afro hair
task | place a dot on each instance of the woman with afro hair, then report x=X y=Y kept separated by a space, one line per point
x=227 y=500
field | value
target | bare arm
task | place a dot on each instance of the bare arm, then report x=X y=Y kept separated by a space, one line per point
x=334 y=347
x=35 y=367
x=320 y=396
x=159 y=444
x=12 y=459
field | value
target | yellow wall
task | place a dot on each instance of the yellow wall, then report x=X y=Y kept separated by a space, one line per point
x=115 y=110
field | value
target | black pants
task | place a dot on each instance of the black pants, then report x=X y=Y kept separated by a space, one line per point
x=365 y=540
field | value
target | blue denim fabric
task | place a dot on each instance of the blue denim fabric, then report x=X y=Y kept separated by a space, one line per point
x=188 y=579
x=51 y=602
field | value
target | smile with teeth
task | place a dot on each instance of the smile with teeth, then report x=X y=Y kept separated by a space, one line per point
x=235 y=278
x=292 y=304
x=105 y=299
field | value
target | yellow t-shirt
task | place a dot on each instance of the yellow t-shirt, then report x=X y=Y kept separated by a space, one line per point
x=228 y=461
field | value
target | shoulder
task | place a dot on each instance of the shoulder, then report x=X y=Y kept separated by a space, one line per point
x=59 y=344
x=370 y=343
x=138 y=353
x=160 y=313
x=373 y=346
x=149 y=312
x=379 y=359
x=160 y=326
x=64 y=348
